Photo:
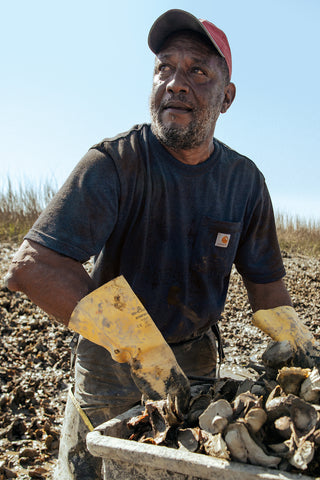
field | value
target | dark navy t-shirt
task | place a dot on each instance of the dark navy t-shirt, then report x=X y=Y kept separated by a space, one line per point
x=173 y=230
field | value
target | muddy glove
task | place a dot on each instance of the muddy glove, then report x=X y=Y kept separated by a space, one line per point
x=282 y=323
x=113 y=317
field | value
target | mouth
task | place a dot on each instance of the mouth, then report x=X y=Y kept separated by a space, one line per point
x=176 y=107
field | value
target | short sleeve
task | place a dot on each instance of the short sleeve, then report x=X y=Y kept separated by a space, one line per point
x=81 y=216
x=258 y=258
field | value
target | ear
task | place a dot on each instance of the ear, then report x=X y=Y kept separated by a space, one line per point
x=229 y=94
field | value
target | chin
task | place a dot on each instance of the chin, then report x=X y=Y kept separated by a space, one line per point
x=174 y=121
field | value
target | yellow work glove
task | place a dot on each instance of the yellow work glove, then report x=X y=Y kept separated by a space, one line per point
x=283 y=323
x=113 y=317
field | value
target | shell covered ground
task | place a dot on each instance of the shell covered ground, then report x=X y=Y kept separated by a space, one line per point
x=35 y=362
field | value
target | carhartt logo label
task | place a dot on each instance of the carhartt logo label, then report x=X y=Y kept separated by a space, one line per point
x=222 y=240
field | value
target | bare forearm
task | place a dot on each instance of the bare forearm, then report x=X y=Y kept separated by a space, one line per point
x=268 y=295
x=53 y=282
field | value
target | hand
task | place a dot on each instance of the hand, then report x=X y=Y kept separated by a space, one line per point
x=113 y=317
x=282 y=323
x=158 y=375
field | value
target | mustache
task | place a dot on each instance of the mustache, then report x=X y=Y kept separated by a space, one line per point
x=176 y=100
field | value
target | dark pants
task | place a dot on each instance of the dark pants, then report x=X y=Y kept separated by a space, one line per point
x=104 y=389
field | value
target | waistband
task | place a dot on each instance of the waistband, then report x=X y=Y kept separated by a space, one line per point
x=199 y=333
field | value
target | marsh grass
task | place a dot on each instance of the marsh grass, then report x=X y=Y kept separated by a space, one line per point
x=298 y=235
x=20 y=207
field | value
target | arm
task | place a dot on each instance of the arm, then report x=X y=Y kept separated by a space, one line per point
x=57 y=284
x=54 y=282
x=263 y=296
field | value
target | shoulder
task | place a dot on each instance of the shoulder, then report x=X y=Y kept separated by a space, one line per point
x=115 y=162
x=113 y=154
x=239 y=167
x=128 y=140
x=233 y=157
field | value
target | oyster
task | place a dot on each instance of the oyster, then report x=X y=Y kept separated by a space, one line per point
x=303 y=455
x=218 y=424
x=225 y=388
x=188 y=438
x=280 y=430
x=243 y=447
x=255 y=419
x=215 y=446
x=157 y=412
x=140 y=425
x=290 y=378
x=235 y=443
x=198 y=404
x=316 y=437
x=282 y=425
x=281 y=449
x=304 y=416
x=278 y=354
x=215 y=418
x=310 y=388
x=244 y=402
x=277 y=404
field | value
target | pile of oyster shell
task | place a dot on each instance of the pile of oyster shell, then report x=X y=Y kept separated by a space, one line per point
x=271 y=423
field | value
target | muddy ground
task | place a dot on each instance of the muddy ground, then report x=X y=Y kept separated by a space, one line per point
x=35 y=359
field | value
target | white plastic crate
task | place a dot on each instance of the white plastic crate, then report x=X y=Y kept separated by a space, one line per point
x=125 y=459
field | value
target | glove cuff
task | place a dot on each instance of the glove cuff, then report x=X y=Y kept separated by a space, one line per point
x=282 y=323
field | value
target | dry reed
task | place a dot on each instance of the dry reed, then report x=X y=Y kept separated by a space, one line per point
x=298 y=235
x=20 y=207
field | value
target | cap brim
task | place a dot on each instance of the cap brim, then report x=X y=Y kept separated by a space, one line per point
x=171 y=22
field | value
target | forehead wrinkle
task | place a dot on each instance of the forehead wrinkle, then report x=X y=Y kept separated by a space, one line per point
x=194 y=59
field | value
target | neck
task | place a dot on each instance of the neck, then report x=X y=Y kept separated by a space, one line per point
x=192 y=156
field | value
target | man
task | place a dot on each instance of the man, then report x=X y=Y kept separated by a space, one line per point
x=171 y=209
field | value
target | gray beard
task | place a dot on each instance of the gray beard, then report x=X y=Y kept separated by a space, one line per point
x=188 y=137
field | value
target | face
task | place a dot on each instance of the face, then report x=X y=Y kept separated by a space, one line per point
x=189 y=92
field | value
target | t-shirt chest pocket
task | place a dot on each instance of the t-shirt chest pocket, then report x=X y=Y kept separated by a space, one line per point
x=215 y=246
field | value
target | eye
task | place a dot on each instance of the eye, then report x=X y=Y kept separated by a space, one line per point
x=198 y=71
x=163 y=68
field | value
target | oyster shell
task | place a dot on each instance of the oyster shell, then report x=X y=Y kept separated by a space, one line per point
x=303 y=455
x=197 y=406
x=283 y=426
x=235 y=443
x=157 y=412
x=278 y=406
x=283 y=432
x=243 y=402
x=310 y=388
x=290 y=378
x=210 y=419
x=218 y=424
x=243 y=447
x=316 y=437
x=188 y=438
x=304 y=416
x=255 y=419
x=281 y=449
x=278 y=354
x=215 y=446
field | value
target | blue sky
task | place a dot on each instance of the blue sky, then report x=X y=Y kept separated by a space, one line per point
x=74 y=72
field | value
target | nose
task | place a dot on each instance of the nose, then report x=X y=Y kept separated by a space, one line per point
x=178 y=83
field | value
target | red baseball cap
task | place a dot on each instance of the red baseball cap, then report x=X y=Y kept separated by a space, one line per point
x=175 y=20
